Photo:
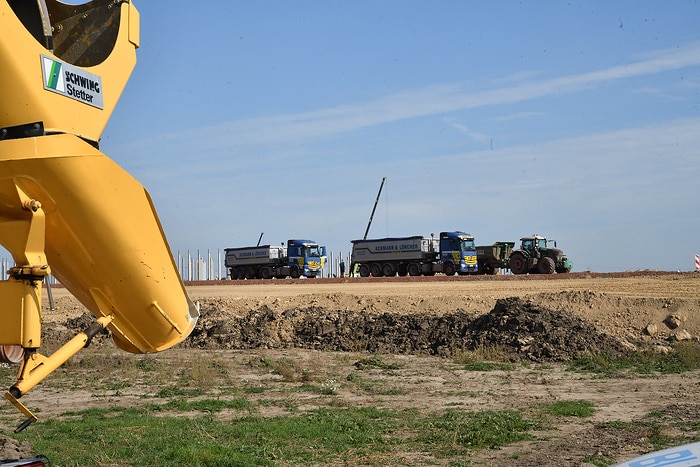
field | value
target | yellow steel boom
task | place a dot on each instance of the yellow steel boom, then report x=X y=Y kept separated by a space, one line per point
x=65 y=207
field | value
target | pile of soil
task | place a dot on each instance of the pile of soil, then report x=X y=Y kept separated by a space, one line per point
x=522 y=329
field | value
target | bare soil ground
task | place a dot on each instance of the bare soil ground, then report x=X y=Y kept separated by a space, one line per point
x=326 y=327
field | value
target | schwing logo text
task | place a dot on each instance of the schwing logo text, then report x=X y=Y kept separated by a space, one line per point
x=72 y=81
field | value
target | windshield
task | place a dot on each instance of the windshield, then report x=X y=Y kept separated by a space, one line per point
x=541 y=243
x=468 y=245
x=312 y=251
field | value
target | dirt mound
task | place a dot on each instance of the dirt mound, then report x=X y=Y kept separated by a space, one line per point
x=526 y=331
x=540 y=334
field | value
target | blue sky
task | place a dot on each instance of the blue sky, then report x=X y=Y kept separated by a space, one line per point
x=575 y=120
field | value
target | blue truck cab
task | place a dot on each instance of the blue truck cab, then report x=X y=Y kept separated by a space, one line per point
x=306 y=258
x=458 y=253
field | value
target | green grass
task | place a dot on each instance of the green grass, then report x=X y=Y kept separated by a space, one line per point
x=571 y=408
x=139 y=437
x=685 y=356
x=203 y=405
x=454 y=433
x=145 y=436
x=488 y=366
x=374 y=361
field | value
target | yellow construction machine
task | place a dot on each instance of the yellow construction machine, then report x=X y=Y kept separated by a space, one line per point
x=66 y=208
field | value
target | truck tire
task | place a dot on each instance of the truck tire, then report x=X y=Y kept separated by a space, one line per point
x=376 y=270
x=233 y=274
x=241 y=273
x=294 y=272
x=402 y=270
x=363 y=270
x=265 y=273
x=249 y=274
x=448 y=269
x=388 y=270
x=518 y=263
x=414 y=269
x=545 y=266
x=487 y=268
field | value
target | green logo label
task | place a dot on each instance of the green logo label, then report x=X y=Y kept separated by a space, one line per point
x=55 y=74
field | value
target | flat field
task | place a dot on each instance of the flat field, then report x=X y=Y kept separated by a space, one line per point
x=428 y=354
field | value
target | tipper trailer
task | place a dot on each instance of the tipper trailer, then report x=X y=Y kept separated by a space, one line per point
x=452 y=252
x=492 y=258
x=295 y=259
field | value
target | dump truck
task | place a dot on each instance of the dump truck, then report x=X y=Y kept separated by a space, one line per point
x=452 y=252
x=535 y=256
x=295 y=259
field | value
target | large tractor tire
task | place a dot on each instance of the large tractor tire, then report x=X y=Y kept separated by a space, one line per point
x=563 y=270
x=518 y=263
x=545 y=266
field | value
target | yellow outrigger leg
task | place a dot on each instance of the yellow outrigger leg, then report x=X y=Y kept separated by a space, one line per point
x=23 y=291
x=36 y=367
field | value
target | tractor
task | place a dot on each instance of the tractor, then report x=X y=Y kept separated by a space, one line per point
x=535 y=256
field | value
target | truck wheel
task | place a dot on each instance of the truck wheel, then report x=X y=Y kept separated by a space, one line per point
x=376 y=270
x=518 y=263
x=448 y=269
x=487 y=268
x=295 y=273
x=241 y=273
x=402 y=270
x=388 y=270
x=364 y=270
x=413 y=269
x=249 y=274
x=265 y=273
x=233 y=273
x=545 y=266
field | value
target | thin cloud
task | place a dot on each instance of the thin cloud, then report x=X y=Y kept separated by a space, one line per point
x=465 y=130
x=440 y=99
x=433 y=100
